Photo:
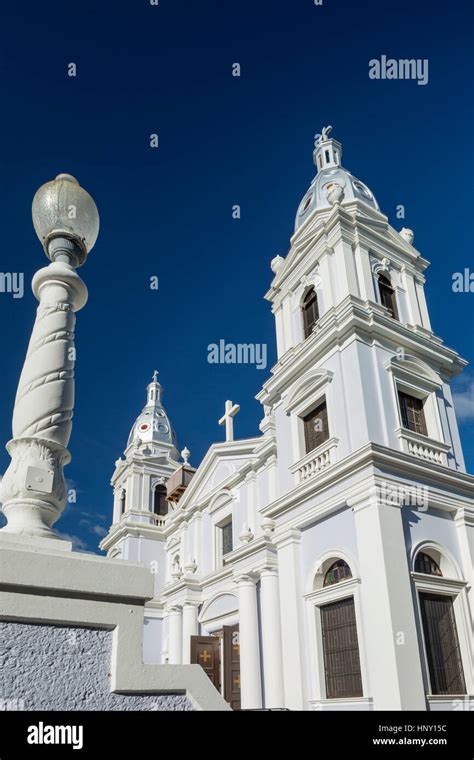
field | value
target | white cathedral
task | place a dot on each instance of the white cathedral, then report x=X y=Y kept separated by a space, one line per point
x=326 y=563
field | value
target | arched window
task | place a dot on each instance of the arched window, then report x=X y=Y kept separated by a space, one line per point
x=438 y=617
x=160 y=503
x=310 y=311
x=387 y=295
x=338 y=571
x=426 y=564
x=123 y=501
x=339 y=634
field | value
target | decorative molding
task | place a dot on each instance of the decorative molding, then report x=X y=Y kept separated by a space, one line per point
x=379 y=266
x=311 y=384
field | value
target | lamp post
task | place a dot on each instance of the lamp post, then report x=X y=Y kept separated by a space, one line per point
x=33 y=490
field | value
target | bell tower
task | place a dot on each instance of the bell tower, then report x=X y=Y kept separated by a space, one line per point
x=139 y=486
x=354 y=335
x=370 y=464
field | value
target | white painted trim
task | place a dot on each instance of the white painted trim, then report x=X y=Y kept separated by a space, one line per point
x=337 y=552
x=203 y=619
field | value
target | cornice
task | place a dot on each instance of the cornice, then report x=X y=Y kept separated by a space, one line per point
x=360 y=319
x=358 y=223
x=376 y=456
x=131 y=528
x=260 y=450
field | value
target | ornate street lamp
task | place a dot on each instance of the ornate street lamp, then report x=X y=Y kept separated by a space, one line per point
x=33 y=490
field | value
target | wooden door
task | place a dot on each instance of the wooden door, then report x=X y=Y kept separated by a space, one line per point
x=232 y=666
x=205 y=651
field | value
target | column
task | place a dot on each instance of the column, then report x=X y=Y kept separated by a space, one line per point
x=287 y=324
x=250 y=677
x=420 y=292
x=271 y=638
x=251 y=483
x=388 y=616
x=134 y=490
x=292 y=631
x=365 y=274
x=175 y=636
x=190 y=628
x=280 y=334
x=464 y=522
x=33 y=489
x=272 y=471
x=116 y=510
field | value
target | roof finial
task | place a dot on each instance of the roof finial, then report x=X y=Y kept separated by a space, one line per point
x=321 y=137
x=327 y=151
x=155 y=376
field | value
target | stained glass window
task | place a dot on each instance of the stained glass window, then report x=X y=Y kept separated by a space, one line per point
x=338 y=571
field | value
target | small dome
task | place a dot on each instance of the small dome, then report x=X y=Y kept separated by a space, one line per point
x=327 y=158
x=153 y=424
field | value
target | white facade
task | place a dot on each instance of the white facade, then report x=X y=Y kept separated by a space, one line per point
x=373 y=494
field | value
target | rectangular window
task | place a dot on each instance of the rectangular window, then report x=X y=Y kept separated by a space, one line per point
x=341 y=650
x=442 y=644
x=316 y=428
x=310 y=312
x=160 y=502
x=413 y=415
x=387 y=297
x=226 y=537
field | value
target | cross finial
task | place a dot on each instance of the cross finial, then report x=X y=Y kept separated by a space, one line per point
x=155 y=376
x=319 y=138
x=227 y=420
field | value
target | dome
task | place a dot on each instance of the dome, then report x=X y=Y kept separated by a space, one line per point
x=331 y=178
x=153 y=424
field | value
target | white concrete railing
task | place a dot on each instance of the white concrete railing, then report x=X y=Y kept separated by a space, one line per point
x=422 y=447
x=316 y=460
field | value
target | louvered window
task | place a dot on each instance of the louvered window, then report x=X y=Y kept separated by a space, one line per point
x=316 y=428
x=442 y=644
x=160 y=503
x=412 y=412
x=341 y=650
x=387 y=296
x=310 y=312
x=227 y=539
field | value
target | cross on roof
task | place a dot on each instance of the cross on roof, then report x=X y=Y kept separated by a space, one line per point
x=227 y=419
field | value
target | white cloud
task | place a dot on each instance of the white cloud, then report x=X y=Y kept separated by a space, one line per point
x=77 y=543
x=99 y=530
x=92 y=527
x=464 y=402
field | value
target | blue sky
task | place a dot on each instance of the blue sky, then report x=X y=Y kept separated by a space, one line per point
x=223 y=140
